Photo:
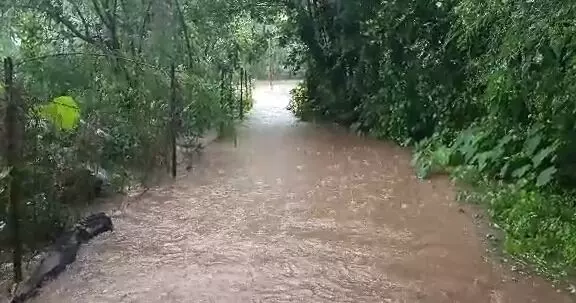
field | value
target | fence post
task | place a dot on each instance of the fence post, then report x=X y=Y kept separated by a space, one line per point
x=173 y=131
x=221 y=103
x=231 y=92
x=13 y=145
x=241 y=115
x=247 y=85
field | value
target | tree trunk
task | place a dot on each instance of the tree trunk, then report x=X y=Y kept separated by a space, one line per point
x=13 y=152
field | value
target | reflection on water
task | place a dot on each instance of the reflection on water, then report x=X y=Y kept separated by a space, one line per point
x=296 y=213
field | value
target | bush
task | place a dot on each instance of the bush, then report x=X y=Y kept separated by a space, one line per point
x=299 y=104
x=540 y=226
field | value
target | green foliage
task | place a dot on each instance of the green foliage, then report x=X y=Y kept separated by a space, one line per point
x=299 y=103
x=523 y=157
x=431 y=157
x=63 y=112
x=540 y=226
x=485 y=89
x=105 y=66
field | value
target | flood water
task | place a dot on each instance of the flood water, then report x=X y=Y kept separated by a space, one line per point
x=295 y=213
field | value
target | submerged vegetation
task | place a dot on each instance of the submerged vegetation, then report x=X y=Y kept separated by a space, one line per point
x=483 y=90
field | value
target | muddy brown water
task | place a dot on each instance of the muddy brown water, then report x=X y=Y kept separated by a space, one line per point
x=296 y=213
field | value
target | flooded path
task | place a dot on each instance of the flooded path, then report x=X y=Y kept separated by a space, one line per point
x=295 y=213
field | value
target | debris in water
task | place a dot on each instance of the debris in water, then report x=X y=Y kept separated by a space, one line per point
x=491 y=237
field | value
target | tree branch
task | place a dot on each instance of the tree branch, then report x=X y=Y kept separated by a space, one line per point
x=81 y=16
x=52 y=12
x=147 y=18
x=185 y=32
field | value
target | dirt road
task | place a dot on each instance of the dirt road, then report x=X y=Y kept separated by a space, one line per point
x=296 y=213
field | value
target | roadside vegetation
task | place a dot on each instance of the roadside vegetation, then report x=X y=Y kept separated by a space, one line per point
x=94 y=93
x=483 y=90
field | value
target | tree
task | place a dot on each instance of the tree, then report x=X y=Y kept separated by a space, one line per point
x=113 y=58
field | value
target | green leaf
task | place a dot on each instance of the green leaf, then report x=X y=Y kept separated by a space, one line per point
x=546 y=176
x=424 y=170
x=520 y=172
x=469 y=149
x=504 y=170
x=505 y=140
x=5 y=172
x=483 y=159
x=543 y=154
x=531 y=144
x=63 y=112
x=557 y=45
x=442 y=156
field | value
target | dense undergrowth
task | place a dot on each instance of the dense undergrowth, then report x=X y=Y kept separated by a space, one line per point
x=113 y=59
x=484 y=90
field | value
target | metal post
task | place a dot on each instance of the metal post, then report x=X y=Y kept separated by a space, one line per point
x=247 y=85
x=13 y=144
x=222 y=97
x=173 y=130
x=270 y=62
x=241 y=115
